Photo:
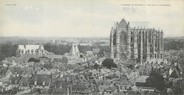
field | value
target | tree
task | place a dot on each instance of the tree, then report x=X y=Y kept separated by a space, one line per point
x=7 y=50
x=109 y=63
x=64 y=60
x=156 y=80
x=57 y=49
x=48 y=66
x=96 y=66
x=33 y=60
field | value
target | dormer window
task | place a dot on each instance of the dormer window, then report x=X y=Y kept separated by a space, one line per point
x=43 y=83
x=35 y=83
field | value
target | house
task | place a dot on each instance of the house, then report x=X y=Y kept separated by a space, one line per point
x=175 y=71
x=132 y=76
x=40 y=81
x=100 y=73
x=149 y=91
x=69 y=78
x=112 y=76
x=103 y=85
x=96 y=51
x=82 y=89
x=89 y=53
x=58 y=91
x=132 y=93
x=122 y=84
x=24 y=82
x=141 y=81
x=7 y=76
x=15 y=79
x=110 y=90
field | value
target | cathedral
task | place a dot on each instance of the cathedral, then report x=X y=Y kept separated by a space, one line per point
x=137 y=44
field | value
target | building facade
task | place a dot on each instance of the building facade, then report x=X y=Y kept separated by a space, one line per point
x=75 y=50
x=30 y=49
x=138 y=44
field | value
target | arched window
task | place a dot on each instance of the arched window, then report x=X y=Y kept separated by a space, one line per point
x=19 y=51
x=123 y=37
x=28 y=51
x=40 y=47
x=32 y=51
x=22 y=51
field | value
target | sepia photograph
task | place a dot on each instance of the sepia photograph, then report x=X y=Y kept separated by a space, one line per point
x=91 y=47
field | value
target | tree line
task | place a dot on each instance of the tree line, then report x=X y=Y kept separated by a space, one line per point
x=7 y=50
x=171 y=44
x=62 y=49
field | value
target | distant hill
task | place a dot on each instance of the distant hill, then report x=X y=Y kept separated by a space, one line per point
x=176 y=38
x=42 y=40
x=174 y=43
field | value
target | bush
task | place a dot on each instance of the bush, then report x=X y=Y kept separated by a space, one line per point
x=33 y=60
x=7 y=50
x=109 y=63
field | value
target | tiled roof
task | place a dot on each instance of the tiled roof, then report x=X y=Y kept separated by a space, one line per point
x=40 y=78
x=57 y=91
x=122 y=81
x=120 y=93
x=142 y=79
x=139 y=24
x=82 y=87
x=24 y=81
x=132 y=93
x=111 y=88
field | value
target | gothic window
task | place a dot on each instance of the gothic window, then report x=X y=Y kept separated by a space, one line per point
x=32 y=51
x=19 y=50
x=43 y=83
x=36 y=50
x=15 y=81
x=132 y=37
x=114 y=39
x=139 y=37
x=40 y=47
x=28 y=51
x=150 y=55
x=24 y=46
x=139 y=32
x=123 y=37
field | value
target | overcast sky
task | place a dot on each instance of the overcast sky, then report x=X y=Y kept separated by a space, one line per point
x=87 y=18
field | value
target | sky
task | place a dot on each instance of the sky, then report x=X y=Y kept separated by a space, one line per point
x=87 y=18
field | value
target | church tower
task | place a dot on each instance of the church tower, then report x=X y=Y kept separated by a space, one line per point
x=75 y=50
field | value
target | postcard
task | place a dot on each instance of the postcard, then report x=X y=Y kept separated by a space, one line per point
x=92 y=47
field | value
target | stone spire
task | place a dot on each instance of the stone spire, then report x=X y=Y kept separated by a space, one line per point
x=74 y=50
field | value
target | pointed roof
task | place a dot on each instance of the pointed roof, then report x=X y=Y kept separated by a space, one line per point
x=74 y=50
x=123 y=22
x=140 y=24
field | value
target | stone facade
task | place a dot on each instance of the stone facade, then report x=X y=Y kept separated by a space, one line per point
x=75 y=50
x=30 y=49
x=138 y=44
